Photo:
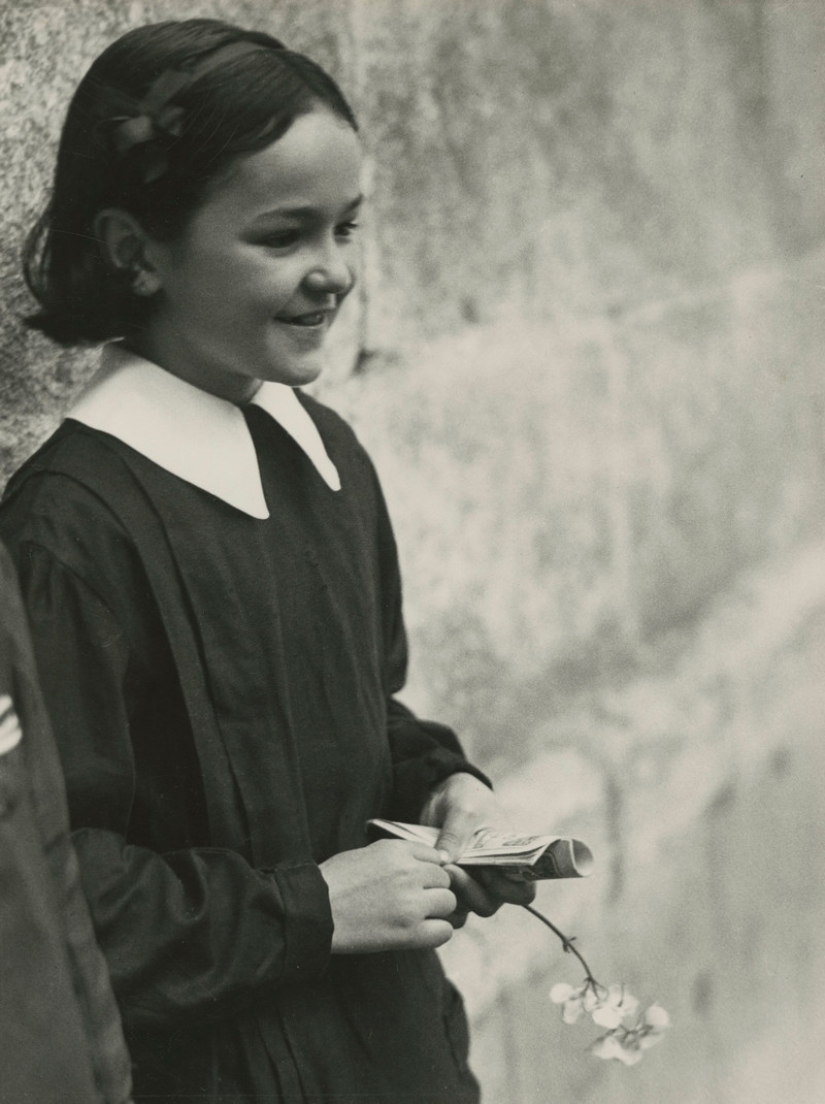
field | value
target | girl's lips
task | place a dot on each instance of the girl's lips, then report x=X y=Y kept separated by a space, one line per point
x=310 y=319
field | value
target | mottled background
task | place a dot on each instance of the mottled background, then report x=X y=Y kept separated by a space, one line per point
x=587 y=359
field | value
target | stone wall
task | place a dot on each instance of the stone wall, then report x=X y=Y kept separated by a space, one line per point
x=586 y=357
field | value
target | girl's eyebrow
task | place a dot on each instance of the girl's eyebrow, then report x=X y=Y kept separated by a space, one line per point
x=304 y=211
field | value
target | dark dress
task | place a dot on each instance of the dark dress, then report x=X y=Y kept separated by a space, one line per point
x=221 y=690
x=60 y=1036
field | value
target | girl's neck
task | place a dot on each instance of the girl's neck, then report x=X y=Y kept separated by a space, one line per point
x=223 y=383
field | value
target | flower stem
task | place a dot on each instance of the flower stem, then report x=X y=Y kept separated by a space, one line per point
x=566 y=943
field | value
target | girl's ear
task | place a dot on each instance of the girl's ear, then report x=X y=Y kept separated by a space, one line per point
x=127 y=248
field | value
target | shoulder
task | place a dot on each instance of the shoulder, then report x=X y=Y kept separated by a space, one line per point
x=73 y=453
x=57 y=501
x=333 y=428
x=340 y=439
x=59 y=479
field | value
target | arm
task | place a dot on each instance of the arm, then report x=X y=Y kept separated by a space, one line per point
x=192 y=935
x=196 y=933
x=424 y=754
x=460 y=806
x=59 y=1018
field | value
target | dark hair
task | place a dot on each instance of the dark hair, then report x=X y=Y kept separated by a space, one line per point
x=226 y=102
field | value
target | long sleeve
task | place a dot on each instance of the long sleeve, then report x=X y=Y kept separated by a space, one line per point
x=192 y=934
x=222 y=692
x=61 y=1031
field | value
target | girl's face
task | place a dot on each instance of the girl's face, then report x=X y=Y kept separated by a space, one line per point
x=250 y=289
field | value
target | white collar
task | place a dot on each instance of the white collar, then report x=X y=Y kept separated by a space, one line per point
x=192 y=434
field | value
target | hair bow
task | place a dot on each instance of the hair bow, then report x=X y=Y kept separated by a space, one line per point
x=158 y=117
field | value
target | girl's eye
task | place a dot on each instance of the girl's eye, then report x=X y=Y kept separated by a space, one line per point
x=346 y=229
x=282 y=239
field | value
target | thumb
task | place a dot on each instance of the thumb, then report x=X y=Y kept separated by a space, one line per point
x=456 y=833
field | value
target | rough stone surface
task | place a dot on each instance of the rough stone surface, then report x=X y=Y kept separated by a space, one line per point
x=586 y=355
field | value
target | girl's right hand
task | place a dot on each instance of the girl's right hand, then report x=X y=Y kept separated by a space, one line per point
x=391 y=895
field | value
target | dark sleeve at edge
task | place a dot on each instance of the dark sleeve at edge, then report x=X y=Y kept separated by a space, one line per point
x=191 y=936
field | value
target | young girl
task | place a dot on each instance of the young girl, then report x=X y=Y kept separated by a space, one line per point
x=213 y=588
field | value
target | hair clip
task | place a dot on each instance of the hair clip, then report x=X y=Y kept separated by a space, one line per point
x=159 y=118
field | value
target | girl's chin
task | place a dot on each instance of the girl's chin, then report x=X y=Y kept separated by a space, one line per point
x=295 y=375
x=294 y=366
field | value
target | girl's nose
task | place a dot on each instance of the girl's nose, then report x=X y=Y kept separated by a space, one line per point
x=331 y=275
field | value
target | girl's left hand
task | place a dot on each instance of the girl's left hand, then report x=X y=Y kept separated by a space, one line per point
x=459 y=807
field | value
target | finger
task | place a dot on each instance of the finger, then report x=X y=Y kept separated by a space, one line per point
x=526 y=893
x=522 y=894
x=505 y=889
x=473 y=896
x=513 y=889
x=424 y=853
x=440 y=903
x=457 y=831
x=434 y=877
x=459 y=918
x=513 y=874
x=435 y=933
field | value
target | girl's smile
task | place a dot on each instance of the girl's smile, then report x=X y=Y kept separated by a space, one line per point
x=250 y=289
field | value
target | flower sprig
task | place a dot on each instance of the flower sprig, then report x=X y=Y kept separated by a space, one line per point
x=629 y=1032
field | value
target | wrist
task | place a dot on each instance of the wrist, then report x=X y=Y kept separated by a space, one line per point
x=461 y=786
x=308 y=924
x=414 y=782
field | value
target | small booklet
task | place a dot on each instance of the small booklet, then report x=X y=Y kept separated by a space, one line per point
x=533 y=857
